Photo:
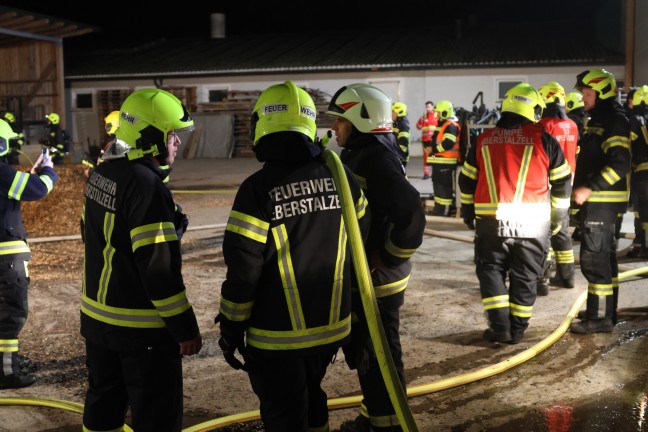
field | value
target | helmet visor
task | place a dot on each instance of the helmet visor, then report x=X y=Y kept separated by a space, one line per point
x=183 y=134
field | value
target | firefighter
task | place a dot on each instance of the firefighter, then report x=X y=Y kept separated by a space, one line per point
x=56 y=139
x=401 y=129
x=288 y=285
x=639 y=184
x=363 y=128
x=561 y=250
x=16 y=186
x=135 y=315
x=427 y=124
x=443 y=158
x=516 y=183
x=13 y=157
x=576 y=112
x=601 y=189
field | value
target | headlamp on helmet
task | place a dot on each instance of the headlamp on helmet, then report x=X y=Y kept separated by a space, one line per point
x=524 y=100
x=53 y=118
x=445 y=109
x=283 y=108
x=640 y=96
x=146 y=119
x=367 y=107
x=573 y=100
x=6 y=134
x=599 y=80
x=552 y=92
x=400 y=109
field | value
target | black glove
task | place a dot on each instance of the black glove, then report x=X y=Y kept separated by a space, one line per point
x=468 y=215
x=181 y=221
x=231 y=339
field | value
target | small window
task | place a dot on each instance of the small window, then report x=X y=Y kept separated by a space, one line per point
x=84 y=100
x=504 y=86
x=217 y=95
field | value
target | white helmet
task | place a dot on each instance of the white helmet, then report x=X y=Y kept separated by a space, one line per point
x=367 y=107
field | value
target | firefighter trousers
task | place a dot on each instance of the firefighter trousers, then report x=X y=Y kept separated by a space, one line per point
x=598 y=260
x=14 y=282
x=148 y=380
x=290 y=391
x=523 y=261
x=443 y=179
x=639 y=189
x=563 y=251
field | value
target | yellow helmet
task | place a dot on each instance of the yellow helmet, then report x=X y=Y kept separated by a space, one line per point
x=283 y=108
x=367 y=107
x=112 y=122
x=6 y=134
x=524 y=100
x=147 y=117
x=445 y=109
x=640 y=96
x=573 y=100
x=53 y=118
x=552 y=92
x=400 y=109
x=599 y=80
x=10 y=117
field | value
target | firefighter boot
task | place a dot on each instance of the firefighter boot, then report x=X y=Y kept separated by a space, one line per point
x=589 y=326
x=360 y=424
x=17 y=380
x=497 y=336
x=564 y=276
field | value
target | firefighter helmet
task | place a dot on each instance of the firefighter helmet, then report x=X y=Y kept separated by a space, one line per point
x=367 y=107
x=147 y=117
x=599 y=80
x=640 y=96
x=552 y=92
x=112 y=122
x=53 y=118
x=6 y=134
x=283 y=108
x=400 y=109
x=445 y=109
x=9 y=117
x=524 y=100
x=573 y=100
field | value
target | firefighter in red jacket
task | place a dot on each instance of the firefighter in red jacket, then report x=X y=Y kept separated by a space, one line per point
x=443 y=158
x=287 y=292
x=601 y=189
x=15 y=187
x=516 y=183
x=363 y=128
x=136 y=318
x=427 y=124
x=555 y=120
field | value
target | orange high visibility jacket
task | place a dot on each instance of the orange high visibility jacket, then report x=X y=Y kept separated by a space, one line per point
x=446 y=150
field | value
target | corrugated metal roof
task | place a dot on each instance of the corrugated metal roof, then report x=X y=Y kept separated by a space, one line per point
x=17 y=25
x=516 y=45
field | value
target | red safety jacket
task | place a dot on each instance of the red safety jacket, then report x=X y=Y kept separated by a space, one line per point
x=566 y=133
x=427 y=125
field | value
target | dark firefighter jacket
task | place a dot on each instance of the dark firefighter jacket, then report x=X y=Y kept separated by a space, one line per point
x=288 y=257
x=401 y=130
x=506 y=177
x=397 y=216
x=133 y=291
x=603 y=163
x=639 y=138
x=17 y=186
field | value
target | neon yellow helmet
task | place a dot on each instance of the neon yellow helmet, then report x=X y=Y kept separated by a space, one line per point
x=573 y=100
x=283 y=108
x=53 y=118
x=10 y=117
x=599 y=80
x=552 y=92
x=640 y=96
x=524 y=100
x=147 y=116
x=445 y=109
x=367 y=107
x=6 y=134
x=400 y=109
x=112 y=122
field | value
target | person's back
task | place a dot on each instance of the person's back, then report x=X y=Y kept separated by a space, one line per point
x=401 y=129
x=288 y=285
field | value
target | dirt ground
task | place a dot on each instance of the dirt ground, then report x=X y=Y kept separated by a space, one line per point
x=549 y=382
